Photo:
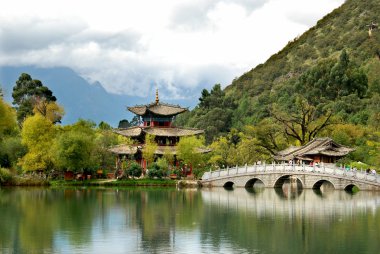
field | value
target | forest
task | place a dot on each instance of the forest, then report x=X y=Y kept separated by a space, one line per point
x=324 y=83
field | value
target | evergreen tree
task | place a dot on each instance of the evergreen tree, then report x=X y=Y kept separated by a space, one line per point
x=27 y=93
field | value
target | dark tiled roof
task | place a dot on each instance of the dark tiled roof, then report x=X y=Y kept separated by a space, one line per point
x=130 y=132
x=323 y=146
x=158 y=109
x=132 y=149
x=172 y=132
x=123 y=149
x=158 y=131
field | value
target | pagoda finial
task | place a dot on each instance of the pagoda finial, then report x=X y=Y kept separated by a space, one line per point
x=157 y=100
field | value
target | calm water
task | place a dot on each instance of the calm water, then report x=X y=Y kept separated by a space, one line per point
x=188 y=221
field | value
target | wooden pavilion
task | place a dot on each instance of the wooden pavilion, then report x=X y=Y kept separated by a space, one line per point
x=318 y=150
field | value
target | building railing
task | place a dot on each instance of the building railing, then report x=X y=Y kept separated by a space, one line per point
x=326 y=169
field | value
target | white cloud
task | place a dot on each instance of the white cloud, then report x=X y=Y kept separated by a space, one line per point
x=133 y=46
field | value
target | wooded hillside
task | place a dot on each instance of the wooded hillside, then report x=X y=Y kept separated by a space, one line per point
x=324 y=83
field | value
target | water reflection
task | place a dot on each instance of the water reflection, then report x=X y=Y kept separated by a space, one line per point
x=255 y=219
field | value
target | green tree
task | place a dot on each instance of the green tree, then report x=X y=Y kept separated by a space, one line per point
x=126 y=124
x=104 y=139
x=75 y=150
x=37 y=135
x=104 y=126
x=27 y=93
x=248 y=152
x=220 y=149
x=301 y=122
x=268 y=135
x=49 y=109
x=188 y=150
x=203 y=100
x=150 y=148
x=11 y=150
x=163 y=164
x=7 y=119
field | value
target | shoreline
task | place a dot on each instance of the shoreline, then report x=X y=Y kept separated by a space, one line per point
x=107 y=183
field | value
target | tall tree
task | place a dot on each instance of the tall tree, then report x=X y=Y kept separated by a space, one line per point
x=74 y=151
x=37 y=135
x=27 y=93
x=301 y=122
x=7 y=118
x=150 y=148
x=49 y=109
x=187 y=150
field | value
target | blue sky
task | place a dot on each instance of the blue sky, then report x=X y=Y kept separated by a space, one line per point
x=132 y=47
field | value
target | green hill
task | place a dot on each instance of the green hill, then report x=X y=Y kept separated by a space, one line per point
x=332 y=71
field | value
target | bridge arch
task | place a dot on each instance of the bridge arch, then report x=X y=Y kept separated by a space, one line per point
x=319 y=183
x=228 y=185
x=351 y=187
x=251 y=182
x=279 y=182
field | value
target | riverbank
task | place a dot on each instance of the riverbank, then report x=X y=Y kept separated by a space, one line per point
x=116 y=183
x=25 y=182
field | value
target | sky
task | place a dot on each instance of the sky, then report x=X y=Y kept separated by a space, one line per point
x=133 y=47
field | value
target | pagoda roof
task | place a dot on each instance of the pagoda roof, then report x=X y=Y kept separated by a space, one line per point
x=318 y=146
x=132 y=149
x=123 y=149
x=130 y=132
x=172 y=132
x=157 y=108
x=158 y=131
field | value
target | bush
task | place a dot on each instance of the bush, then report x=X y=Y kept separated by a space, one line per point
x=5 y=175
x=134 y=170
x=154 y=171
x=163 y=164
x=198 y=172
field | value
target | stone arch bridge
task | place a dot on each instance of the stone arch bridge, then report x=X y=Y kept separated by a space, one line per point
x=274 y=175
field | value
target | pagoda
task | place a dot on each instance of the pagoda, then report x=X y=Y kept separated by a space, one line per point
x=155 y=119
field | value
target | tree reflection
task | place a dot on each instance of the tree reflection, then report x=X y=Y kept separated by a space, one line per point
x=162 y=220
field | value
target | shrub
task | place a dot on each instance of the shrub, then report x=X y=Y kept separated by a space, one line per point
x=163 y=164
x=198 y=172
x=5 y=175
x=134 y=170
x=154 y=171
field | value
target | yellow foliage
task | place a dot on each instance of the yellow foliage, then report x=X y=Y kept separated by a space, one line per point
x=49 y=109
x=149 y=148
x=7 y=117
x=38 y=135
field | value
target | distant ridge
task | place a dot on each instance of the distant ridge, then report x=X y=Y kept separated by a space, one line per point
x=79 y=98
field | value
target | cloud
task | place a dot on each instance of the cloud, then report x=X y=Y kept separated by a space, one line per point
x=192 y=15
x=36 y=33
x=179 y=47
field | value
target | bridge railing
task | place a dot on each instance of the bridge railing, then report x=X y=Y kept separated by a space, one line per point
x=285 y=167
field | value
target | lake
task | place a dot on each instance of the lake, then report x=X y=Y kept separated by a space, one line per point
x=168 y=220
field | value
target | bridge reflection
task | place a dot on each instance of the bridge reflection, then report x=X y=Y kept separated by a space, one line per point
x=287 y=201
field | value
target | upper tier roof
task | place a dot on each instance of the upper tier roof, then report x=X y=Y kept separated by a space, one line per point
x=157 y=108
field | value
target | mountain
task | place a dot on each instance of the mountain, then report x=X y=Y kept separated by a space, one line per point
x=343 y=29
x=334 y=66
x=79 y=98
